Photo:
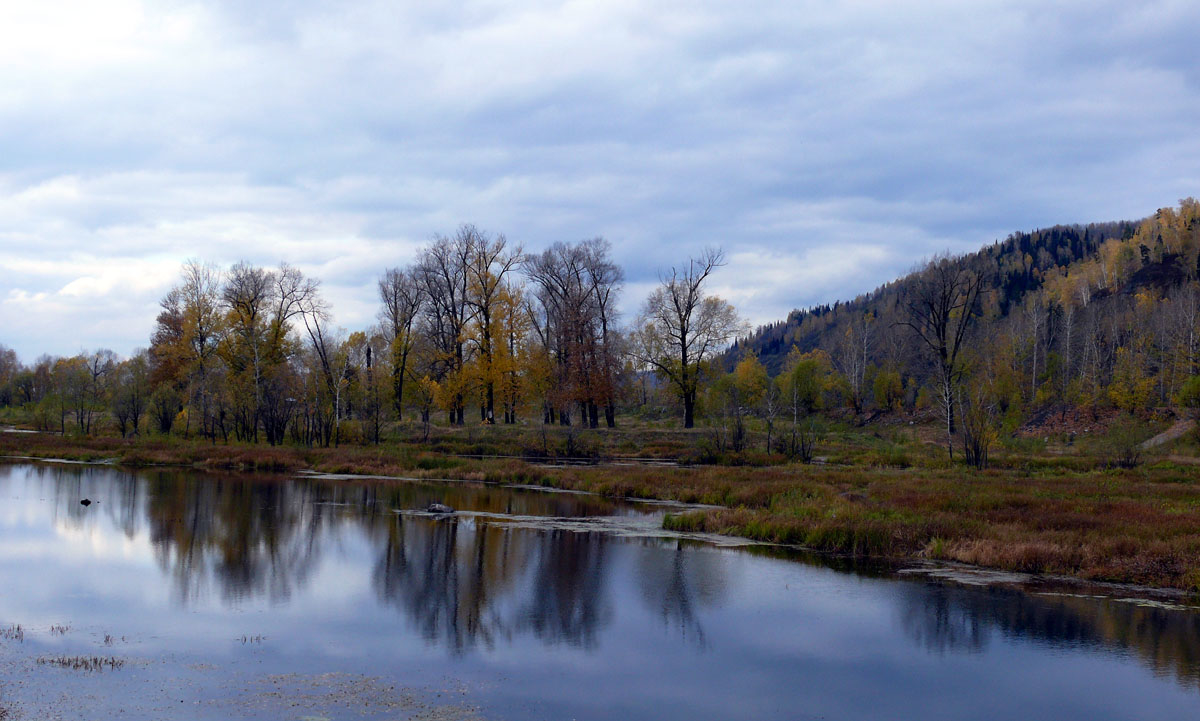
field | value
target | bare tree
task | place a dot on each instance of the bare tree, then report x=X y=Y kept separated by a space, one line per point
x=940 y=305
x=444 y=274
x=246 y=297
x=853 y=356
x=490 y=260
x=325 y=342
x=605 y=279
x=1035 y=316
x=681 y=327
x=561 y=321
x=291 y=294
x=402 y=297
x=101 y=366
x=575 y=320
x=202 y=327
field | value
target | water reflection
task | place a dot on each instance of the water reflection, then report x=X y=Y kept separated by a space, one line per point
x=447 y=575
x=939 y=622
x=677 y=584
x=949 y=619
x=569 y=603
x=249 y=538
x=475 y=583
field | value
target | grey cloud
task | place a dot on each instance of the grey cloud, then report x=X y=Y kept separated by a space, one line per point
x=342 y=137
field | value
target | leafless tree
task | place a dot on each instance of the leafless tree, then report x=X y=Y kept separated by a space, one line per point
x=402 y=296
x=605 y=279
x=940 y=305
x=202 y=325
x=853 y=356
x=576 y=287
x=443 y=269
x=560 y=319
x=490 y=261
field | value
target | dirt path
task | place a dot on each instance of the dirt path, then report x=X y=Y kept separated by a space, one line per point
x=1171 y=433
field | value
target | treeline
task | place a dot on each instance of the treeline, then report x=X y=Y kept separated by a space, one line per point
x=474 y=325
x=1085 y=318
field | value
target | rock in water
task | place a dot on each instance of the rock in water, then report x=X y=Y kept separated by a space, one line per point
x=85 y=502
x=438 y=508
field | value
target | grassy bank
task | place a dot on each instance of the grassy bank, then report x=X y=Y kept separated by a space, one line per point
x=1040 y=510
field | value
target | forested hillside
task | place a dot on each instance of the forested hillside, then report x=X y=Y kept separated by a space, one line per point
x=1103 y=314
x=1016 y=266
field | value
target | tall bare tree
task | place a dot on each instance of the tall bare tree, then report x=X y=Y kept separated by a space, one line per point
x=605 y=279
x=939 y=306
x=444 y=272
x=854 y=354
x=402 y=296
x=576 y=288
x=246 y=297
x=490 y=261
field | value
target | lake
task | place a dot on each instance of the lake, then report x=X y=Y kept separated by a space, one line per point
x=218 y=596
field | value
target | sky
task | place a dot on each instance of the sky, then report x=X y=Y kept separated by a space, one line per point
x=826 y=147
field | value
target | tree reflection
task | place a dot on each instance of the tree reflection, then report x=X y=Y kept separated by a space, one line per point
x=444 y=580
x=940 y=623
x=114 y=495
x=458 y=581
x=569 y=603
x=952 y=619
x=249 y=538
x=676 y=584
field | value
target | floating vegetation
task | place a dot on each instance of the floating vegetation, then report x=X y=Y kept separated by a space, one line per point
x=13 y=633
x=82 y=663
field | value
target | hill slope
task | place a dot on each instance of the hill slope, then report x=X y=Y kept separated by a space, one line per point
x=1042 y=267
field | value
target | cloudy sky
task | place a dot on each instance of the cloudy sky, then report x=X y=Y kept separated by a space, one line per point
x=826 y=148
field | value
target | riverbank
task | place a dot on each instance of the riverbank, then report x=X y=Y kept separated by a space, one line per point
x=1062 y=516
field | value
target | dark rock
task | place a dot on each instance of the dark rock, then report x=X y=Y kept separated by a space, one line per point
x=438 y=508
x=85 y=502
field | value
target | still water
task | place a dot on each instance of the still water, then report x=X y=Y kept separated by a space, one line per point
x=226 y=596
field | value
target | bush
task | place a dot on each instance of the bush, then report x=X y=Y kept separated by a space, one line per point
x=1124 y=442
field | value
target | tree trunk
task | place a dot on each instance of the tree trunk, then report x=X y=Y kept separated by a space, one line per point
x=398 y=389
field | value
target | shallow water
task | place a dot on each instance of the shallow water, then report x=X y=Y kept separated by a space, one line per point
x=273 y=597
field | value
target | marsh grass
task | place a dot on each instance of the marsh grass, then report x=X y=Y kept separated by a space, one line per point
x=82 y=663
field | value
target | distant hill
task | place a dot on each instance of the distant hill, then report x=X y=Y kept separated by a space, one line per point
x=1098 y=260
